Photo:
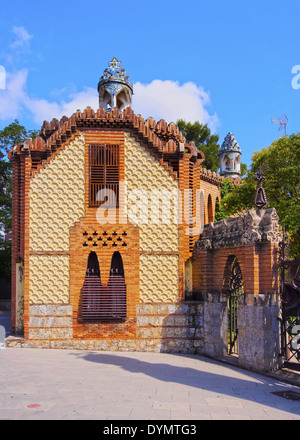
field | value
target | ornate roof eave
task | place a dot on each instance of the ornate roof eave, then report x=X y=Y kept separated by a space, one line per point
x=162 y=139
x=256 y=226
x=211 y=177
x=166 y=138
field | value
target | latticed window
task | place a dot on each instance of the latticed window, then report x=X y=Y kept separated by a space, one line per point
x=104 y=174
x=103 y=303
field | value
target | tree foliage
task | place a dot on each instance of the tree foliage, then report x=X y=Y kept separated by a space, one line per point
x=5 y=259
x=281 y=166
x=204 y=140
x=10 y=136
x=221 y=212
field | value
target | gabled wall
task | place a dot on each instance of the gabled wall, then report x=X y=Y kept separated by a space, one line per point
x=159 y=241
x=57 y=217
x=57 y=201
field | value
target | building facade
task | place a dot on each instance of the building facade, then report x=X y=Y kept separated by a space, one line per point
x=107 y=208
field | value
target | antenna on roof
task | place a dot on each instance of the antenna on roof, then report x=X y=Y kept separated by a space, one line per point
x=283 y=121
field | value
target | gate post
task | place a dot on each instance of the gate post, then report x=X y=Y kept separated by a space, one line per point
x=215 y=325
x=259 y=332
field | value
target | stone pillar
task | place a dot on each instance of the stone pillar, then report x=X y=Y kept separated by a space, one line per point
x=215 y=323
x=259 y=332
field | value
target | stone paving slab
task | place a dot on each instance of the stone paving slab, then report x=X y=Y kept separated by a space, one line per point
x=39 y=384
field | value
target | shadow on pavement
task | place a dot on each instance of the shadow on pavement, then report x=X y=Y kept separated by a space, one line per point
x=250 y=390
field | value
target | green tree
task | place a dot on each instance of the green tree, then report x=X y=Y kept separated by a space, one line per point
x=244 y=169
x=281 y=166
x=221 y=212
x=10 y=136
x=204 y=140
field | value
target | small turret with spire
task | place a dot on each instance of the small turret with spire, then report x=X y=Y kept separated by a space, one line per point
x=230 y=157
x=115 y=90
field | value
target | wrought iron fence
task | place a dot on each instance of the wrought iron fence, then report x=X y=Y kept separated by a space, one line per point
x=235 y=290
x=290 y=305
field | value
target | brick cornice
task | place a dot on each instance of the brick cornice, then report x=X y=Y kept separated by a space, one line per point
x=165 y=140
x=211 y=177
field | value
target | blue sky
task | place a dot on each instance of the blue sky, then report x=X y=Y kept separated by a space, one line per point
x=225 y=63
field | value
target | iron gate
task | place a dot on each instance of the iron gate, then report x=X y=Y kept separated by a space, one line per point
x=235 y=290
x=290 y=307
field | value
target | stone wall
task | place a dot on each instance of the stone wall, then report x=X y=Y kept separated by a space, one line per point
x=189 y=328
x=193 y=327
x=50 y=322
x=172 y=328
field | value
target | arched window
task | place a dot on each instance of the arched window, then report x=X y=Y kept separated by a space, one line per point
x=91 y=291
x=210 y=211
x=202 y=210
x=188 y=280
x=117 y=268
x=123 y=99
x=93 y=269
x=217 y=210
x=103 y=303
x=116 y=302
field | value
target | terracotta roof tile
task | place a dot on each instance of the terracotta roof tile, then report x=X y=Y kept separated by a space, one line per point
x=164 y=139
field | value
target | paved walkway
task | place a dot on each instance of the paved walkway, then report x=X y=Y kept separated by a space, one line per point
x=61 y=384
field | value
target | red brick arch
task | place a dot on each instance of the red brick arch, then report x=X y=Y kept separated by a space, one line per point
x=210 y=209
x=228 y=270
x=210 y=200
x=81 y=246
x=211 y=268
x=258 y=263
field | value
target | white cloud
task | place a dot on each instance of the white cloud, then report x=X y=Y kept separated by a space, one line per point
x=12 y=97
x=171 y=101
x=22 y=37
x=160 y=99
x=14 y=101
x=167 y=100
x=42 y=109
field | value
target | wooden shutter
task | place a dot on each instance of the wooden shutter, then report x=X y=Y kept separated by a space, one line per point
x=117 y=288
x=104 y=173
x=103 y=303
x=91 y=291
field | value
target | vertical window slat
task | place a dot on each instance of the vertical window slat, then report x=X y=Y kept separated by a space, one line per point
x=103 y=303
x=104 y=172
